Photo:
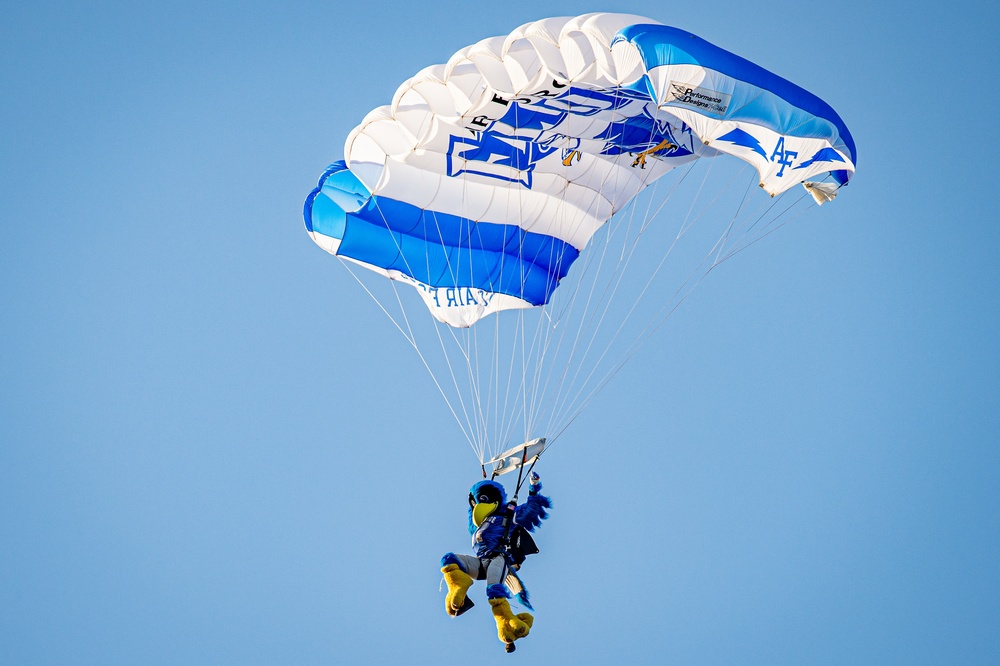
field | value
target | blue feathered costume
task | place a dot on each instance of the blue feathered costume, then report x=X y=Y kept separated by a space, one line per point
x=495 y=561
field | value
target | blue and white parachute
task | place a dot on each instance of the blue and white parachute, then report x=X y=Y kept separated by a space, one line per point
x=487 y=177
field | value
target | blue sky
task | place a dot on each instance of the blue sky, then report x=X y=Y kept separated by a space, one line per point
x=215 y=449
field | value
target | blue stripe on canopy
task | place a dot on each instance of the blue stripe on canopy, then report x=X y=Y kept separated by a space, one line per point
x=442 y=250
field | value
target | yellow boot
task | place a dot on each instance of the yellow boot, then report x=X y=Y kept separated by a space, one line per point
x=459 y=583
x=510 y=627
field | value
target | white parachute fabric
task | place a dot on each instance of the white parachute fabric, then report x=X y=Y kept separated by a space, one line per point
x=488 y=183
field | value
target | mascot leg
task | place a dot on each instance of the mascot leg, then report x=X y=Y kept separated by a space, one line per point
x=459 y=583
x=510 y=627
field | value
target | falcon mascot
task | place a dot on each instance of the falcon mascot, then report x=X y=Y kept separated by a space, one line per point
x=501 y=542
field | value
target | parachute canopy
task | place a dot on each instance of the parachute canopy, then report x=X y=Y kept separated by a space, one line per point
x=545 y=178
x=487 y=176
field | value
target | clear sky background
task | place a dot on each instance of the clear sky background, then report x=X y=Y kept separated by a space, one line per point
x=215 y=449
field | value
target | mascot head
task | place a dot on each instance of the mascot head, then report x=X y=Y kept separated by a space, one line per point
x=485 y=498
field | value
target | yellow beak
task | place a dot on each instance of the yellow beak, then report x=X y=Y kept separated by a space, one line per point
x=481 y=512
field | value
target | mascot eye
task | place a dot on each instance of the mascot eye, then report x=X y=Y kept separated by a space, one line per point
x=472 y=500
x=483 y=498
